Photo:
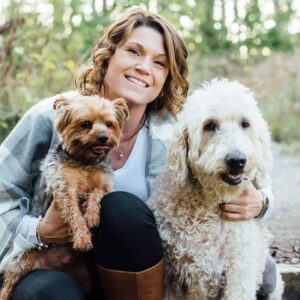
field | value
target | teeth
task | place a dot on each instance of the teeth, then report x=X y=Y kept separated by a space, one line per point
x=234 y=176
x=136 y=81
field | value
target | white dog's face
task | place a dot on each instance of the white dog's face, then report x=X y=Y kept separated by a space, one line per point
x=227 y=137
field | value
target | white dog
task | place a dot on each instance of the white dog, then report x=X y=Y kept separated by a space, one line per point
x=221 y=145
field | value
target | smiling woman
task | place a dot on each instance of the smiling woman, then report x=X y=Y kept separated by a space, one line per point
x=142 y=59
x=166 y=47
x=137 y=71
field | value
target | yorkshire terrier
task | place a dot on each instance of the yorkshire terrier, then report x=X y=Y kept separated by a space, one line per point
x=75 y=175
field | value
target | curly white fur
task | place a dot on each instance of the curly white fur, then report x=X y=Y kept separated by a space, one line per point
x=207 y=257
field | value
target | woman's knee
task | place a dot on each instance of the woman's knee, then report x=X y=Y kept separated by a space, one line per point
x=126 y=209
x=46 y=285
x=269 y=278
x=127 y=228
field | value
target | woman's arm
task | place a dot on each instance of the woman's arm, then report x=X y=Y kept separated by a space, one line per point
x=20 y=156
x=52 y=229
x=249 y=205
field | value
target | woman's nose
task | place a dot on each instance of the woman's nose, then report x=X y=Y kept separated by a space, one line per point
x=144 y=66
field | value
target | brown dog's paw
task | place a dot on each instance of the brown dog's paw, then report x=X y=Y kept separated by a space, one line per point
x=83 y=243
x=92 y=218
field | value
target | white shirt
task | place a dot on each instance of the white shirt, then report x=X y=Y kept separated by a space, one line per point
x=131 y=177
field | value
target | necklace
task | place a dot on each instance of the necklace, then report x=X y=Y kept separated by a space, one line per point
x=126 y=147
x=120 y=153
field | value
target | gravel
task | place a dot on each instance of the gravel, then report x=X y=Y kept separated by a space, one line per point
x=284 y=221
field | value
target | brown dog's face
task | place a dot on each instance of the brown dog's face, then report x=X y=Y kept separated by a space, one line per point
x=89 y=126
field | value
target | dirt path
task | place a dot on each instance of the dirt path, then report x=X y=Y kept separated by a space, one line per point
x=285 y=218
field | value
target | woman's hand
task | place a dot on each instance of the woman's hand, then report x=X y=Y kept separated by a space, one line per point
x=52 y=229
x=246 y=207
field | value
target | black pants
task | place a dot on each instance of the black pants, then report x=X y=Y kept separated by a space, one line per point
x=126 y=239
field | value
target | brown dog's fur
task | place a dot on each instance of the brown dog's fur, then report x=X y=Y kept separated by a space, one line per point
x=75 y=175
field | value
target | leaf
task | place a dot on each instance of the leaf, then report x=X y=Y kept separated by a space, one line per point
x=70 y=64
x=19 y=50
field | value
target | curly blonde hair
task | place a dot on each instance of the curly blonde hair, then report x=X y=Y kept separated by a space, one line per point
x=90 y=81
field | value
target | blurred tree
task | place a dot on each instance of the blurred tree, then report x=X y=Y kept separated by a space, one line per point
x=42 y=43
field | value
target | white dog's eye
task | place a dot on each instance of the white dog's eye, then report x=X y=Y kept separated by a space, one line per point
x=245 y=124
x=210 y=126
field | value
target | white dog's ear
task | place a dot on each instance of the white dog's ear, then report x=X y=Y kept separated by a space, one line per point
x=265 y=156
x=177 y=157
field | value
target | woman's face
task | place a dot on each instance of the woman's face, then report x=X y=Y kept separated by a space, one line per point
x=138 y=69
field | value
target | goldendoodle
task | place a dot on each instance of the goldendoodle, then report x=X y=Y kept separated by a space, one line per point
x=221 y=145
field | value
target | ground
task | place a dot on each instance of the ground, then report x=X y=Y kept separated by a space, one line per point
x=284 y=221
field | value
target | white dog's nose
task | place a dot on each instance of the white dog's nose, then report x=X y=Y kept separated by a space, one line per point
x=236 y=161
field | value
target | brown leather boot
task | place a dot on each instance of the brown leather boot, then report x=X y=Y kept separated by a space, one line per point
x=122 y=285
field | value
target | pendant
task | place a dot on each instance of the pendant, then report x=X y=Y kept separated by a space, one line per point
x=120 y=153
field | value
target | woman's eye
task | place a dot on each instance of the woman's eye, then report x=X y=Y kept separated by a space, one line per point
x=210 y=126
x=87 y=125
x=109 y=124
x=133 y=51
x=160 y=63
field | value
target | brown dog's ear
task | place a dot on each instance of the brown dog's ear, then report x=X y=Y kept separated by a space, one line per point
x=60 y=102
x=121 y=110
x=64 y=115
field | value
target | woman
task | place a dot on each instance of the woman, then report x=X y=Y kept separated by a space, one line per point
x=141 y=58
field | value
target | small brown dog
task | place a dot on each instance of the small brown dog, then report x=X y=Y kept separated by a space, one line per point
x=76 y=175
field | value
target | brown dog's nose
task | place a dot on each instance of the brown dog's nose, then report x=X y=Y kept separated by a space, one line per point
x=102 y=138
x=236 y=161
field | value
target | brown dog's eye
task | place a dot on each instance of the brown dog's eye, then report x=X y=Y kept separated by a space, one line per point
x=210 y=126
x=245 y=124
x=87 y=125
x=109 y=124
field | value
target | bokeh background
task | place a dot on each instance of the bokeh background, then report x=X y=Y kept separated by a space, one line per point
x=44 y=42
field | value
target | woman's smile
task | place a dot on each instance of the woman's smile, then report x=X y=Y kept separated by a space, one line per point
x=137 y=81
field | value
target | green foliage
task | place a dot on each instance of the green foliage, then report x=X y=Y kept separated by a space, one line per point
x=41 y=49
x=283 y=112
x=8 y=119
